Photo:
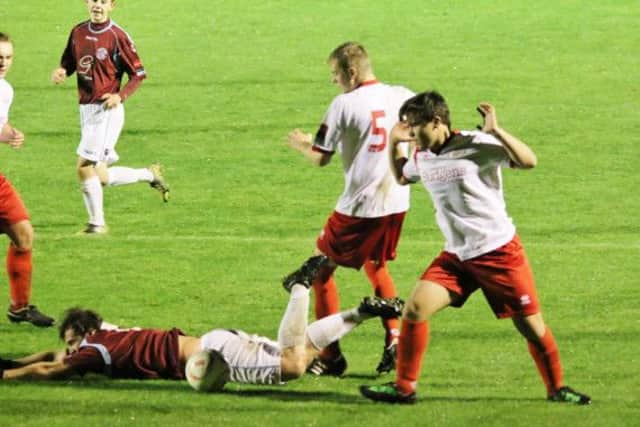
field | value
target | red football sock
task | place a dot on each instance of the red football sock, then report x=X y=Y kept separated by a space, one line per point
x=327 y=302
x=384 y=287
x=414 y=338
x=19 y=268
x=545 y=354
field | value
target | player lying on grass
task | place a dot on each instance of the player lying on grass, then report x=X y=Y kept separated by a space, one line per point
x=462 y=172
x=150 y=354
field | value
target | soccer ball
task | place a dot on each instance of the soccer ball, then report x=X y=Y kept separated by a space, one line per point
x=207 y=370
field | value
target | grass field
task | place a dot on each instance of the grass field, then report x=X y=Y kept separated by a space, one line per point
x=227 y=81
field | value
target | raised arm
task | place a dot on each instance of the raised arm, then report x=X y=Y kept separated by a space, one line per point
x=400 y=145
x=303 y=142
x=520 y=154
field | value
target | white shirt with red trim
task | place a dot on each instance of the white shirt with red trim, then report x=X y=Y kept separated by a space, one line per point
x=357 y=125
x=465 y=183
x=6 y=98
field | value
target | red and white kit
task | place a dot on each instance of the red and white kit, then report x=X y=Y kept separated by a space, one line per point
x=357 y=125
x=482 y=249
x=12 y=209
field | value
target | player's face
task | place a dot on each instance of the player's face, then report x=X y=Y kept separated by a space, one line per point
x=340 y=78
x=426 y=134
x=99 y=10
x=6 y=58
x=72 y=340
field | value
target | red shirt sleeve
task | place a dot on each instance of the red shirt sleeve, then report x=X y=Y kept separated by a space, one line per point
x=132 y=65
x=68 y=61
x=87 y=359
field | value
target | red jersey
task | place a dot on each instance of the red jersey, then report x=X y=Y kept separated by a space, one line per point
x=100 y=54
x=141 y=354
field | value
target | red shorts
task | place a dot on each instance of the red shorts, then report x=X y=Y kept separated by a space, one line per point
x=504 y=275
x=12 y=209
x=350 y=241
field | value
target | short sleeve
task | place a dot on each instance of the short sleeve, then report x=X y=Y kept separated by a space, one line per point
x=410 y=170
x=492 y=148
x=330 y=131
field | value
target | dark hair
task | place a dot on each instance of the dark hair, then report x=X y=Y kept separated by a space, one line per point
x=350 y=54
x=423 y=107
x=80 y=320
x=4 y=37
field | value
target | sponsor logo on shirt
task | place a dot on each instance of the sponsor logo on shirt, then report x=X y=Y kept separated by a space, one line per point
x=442 y=175
x=93 y=39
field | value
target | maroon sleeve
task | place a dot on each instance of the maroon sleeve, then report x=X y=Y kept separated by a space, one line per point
x=132 y=65
x=87 y=359
x=68 y=62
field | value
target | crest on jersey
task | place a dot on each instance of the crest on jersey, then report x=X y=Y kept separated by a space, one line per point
x=102 y=54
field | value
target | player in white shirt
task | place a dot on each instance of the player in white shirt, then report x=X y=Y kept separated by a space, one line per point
x=462 y=172
x=365 y=227
x=14 y=218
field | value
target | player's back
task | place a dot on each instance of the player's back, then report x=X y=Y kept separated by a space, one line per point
x=366 y=117
x=132 y=353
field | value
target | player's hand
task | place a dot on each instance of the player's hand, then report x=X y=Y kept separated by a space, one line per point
x=111 y=100
x=402 y=132
x=59 y=75
x=16 y=138
x=488 y=113
x=296 y=138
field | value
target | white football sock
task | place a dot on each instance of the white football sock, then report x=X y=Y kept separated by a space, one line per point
x=294 y=322
x=324 y=331
x=118 y=175
x=92 y=196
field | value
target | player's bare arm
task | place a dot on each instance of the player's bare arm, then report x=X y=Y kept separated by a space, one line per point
x=520 y=154
x=303 y=142
x=42 y=356
x=400 y=141
x=110 y=100
x=59 y=75
x=56 y=370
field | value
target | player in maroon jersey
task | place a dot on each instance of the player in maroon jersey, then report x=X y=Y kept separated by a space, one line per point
x=152 y=353
x=14 y=218
x=100 y=52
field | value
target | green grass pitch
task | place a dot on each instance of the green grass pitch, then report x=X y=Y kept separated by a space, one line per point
x=227 y=81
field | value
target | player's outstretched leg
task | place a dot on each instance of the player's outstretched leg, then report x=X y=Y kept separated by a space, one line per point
x=159 y=183
x=305 y=274
x=387 y=308
x=569 y=395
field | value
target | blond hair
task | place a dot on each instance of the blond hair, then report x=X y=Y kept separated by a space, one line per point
x=351 y=54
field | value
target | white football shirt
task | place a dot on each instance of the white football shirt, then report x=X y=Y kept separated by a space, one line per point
x=357 y=125
x=465 y=183
x=6 y=98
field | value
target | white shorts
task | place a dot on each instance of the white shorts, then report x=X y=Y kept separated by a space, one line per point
x=252 y=359
x=100 y=130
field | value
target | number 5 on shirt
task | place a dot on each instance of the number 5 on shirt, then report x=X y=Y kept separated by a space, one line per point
x=378 y=130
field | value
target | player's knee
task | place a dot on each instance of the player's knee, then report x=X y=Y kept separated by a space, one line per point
x=22 y=235
x=293 y=366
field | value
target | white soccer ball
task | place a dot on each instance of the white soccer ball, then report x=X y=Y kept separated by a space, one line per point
x=207 y=370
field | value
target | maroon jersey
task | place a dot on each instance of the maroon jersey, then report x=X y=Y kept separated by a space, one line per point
x=100 y=54
x=141 y=354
